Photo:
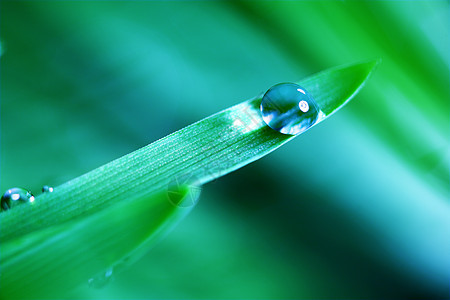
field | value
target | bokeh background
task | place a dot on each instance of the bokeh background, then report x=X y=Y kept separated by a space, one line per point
x=356 y=208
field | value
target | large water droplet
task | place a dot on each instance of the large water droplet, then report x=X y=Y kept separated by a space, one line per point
x=14 y=197
x=289 y=108
x=102 y=279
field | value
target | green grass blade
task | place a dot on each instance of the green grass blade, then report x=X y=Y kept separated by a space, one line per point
x=333 y=88
x=58 y=258
x=198 y=153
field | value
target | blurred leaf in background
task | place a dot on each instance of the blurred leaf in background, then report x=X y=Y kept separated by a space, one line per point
x=356 y=208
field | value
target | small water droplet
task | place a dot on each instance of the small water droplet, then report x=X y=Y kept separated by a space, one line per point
x=289 y=108
x=101 y=280
x=14 y=197
x=47 y=189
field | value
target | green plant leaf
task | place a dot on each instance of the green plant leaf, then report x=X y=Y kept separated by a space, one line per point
x=53 y=260
x=199 y=153
x=93 y=221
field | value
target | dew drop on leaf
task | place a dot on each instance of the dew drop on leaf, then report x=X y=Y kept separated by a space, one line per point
x=289 y=108
x=14 y=197
x=47 y=189
x=101 y=280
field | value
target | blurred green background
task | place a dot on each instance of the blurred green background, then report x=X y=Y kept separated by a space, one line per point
x=356 y=208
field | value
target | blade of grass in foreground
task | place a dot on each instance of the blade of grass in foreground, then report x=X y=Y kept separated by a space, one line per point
x=97 y=219
x=53 y=260
x=205 y=150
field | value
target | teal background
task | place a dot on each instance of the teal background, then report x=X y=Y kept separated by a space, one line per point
x=356 y=208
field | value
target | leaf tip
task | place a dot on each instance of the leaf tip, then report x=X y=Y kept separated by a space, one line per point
x=368 y=67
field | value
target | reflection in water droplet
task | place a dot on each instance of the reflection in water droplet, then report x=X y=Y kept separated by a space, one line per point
x=14 y=197
x=289 y=108
x=47 y=189
x=101 y=280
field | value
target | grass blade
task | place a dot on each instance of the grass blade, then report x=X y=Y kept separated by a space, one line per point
x=53 y=260
x=92 y=222
x=198 y=153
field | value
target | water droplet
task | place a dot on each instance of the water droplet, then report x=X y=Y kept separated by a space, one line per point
x=102 y=279
x=14 y=197
x=289 y=108
x=47 y=189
